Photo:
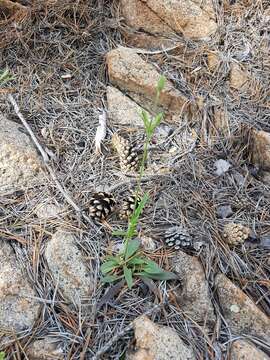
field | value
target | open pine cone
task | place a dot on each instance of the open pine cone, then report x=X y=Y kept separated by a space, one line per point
x=128 y=207
x=101 y=206
x=236 y=234
x=178 y=237
x=127 y=153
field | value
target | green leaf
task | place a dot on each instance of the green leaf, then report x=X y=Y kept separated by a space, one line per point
x=2 y=355
x=164 y=275
x=145 y=119
x=157 y=121
x=133 y=221
x=109 y=266
x=119 y=233
x=136 y=261
x=161 y=83
x=140 y=206
x=128 y=276
x=132 y=247
x=110 y=278
x=152 y=267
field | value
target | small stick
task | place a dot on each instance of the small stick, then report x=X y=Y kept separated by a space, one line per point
x=148 y=52
x=25 y=124
x=46 y=161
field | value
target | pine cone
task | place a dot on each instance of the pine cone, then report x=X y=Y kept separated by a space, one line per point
x=236 y=234
x=101 y=206
x=128 y=207
x=127 y=153
x=178 y=237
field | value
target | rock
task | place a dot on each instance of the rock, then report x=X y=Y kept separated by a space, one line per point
x=239 y=311
x=186 y=16
x=48 y=210
x=18 y=308
x=129 y=71
x=260 y=149
x=213 y=61
x=222 y=166
x=224 y=211
x=155 y=342
x=67 y=267
x=194 y=297
x=140 y=17
x=12 y=12
x=244 y=350
x=238 y=76
x=148 y=243
x=20 y=165
x=45 y=349
x=12 y=17
x=122 y=110
x=221 y=125
x=146 y=41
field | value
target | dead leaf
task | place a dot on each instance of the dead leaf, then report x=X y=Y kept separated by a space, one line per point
x=101 y=131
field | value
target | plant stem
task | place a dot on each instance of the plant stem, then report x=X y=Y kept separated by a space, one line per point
x=149 y=134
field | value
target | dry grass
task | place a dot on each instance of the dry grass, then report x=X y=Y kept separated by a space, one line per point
x=60 y=79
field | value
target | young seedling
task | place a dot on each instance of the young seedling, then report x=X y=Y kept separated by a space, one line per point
x=130 y=262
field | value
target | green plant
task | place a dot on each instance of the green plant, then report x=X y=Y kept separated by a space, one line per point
x=2 y=355
x=130 y=262
x=4 y=78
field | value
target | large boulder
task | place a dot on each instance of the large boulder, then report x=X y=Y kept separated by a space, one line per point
x=122 y=110
x=260 y=149
x=18 y=307
x=155 y=342
x=68 y=269
x=130 y=72
x=244 y=350
x=240 y=312
x=193 y=18
x=45 y=349
x=20 y=164
x=140 y=17
x=193 y=296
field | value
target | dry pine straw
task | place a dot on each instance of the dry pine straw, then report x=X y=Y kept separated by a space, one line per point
x=70 y=38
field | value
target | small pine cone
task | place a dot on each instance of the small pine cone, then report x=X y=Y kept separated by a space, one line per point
x=236 y=234
x=101 y=206
x=128 y=207
x=127 y=153
x=178 y=237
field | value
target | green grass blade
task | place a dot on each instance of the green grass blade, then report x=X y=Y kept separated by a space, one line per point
x=161 y=83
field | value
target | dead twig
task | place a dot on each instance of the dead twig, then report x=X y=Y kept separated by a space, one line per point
x=46 y=161
x=28 y=128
